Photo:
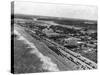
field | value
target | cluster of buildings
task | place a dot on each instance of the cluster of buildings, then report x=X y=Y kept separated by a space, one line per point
x=75 y=39
x=80 y=40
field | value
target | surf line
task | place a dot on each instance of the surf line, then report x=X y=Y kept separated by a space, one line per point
x=47 y=62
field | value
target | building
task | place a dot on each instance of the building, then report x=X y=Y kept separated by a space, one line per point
x=49 y=32
x=71 y=41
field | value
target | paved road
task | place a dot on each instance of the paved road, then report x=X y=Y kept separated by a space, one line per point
x=79 y=60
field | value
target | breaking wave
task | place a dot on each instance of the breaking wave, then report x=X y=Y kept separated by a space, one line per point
x=47 y=62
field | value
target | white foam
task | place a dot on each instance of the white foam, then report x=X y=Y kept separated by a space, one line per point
x=47 y=62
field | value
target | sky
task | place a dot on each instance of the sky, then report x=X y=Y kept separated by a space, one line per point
x=56 y=10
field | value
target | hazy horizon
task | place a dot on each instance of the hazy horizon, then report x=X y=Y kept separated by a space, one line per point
x=56 y=10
